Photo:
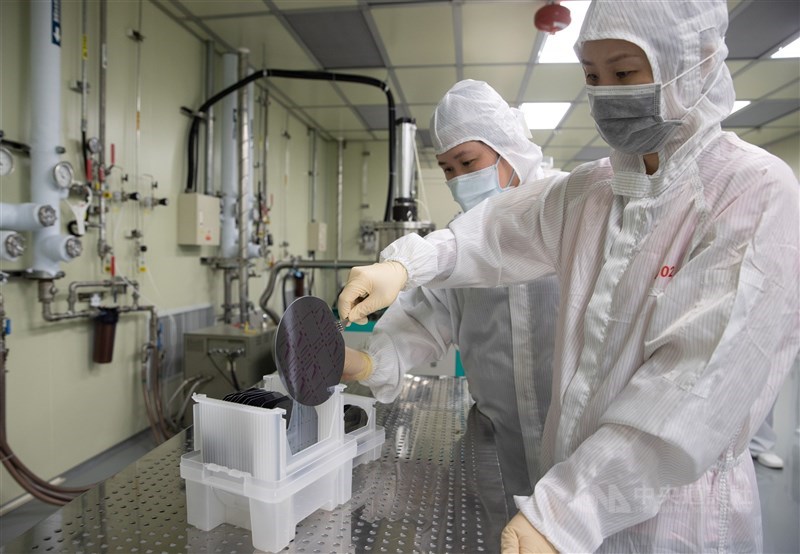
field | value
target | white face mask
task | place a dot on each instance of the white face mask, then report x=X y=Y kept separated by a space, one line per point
x=471 y=189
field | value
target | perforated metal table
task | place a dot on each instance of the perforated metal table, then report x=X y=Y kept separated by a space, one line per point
x=436 y=488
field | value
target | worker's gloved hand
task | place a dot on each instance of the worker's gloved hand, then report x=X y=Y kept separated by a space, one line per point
x=370 y=288
x=520 y=536
x=357 y=365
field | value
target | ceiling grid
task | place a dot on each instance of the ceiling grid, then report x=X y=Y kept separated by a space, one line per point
x=422 y=47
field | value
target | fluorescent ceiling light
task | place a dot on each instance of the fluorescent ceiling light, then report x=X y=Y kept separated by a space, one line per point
x=791 y=50
x=558 y=47
x=544 y=115
x=739 y=104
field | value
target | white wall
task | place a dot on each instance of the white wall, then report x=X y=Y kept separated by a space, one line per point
x=63 y=409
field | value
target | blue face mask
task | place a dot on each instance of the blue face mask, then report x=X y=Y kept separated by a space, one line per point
x=471 y=189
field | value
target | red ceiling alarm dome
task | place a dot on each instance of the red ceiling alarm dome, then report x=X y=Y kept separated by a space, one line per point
x=552 y=18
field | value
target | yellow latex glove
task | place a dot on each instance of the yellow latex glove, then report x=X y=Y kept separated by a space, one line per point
x=370 y=288
x=357 y=365
x=519 y=536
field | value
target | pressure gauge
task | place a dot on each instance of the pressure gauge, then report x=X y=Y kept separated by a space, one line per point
x=64 y=174
x=6 y=161
x=93 y=144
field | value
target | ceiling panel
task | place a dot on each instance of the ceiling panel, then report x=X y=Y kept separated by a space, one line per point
x=335 y=119
x=554 y=82
x=541 y=136
x=204 y=8
x=510 y=24
x=561 y=152
x=768 y=135
x=426 y=85
x=417 y=35
x=259 y=34
x=376 y=117
x=792 y=121
x=593 y=152
x=308 y=93
x=758 y=28
x=737 y=65
x=572 y=138
x=311 y=4
x=579 y=117
x=505 y=79
x=336 y=38
x=422 y=114
x=765 y=77
x=791 y=90
x=762 y=112
x=418 y=39
x=354 y=135
x=365 y=94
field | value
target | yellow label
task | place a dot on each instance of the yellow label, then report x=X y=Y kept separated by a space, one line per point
x=85 y=48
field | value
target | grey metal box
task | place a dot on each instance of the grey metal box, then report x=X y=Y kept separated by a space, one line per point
x=205 y=356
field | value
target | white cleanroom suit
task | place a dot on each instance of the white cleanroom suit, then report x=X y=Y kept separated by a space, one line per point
x=679 y=314
x=505 y=335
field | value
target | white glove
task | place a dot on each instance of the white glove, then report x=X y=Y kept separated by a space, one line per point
x=357 y=365
x=519 y=536
x=370 y=288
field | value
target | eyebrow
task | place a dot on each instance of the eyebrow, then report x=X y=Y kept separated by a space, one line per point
x=613 y=59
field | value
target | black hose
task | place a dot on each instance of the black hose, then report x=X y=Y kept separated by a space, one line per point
x=191 y=177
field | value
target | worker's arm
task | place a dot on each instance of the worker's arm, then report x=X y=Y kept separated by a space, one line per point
x=415 y=330
x=511 y=238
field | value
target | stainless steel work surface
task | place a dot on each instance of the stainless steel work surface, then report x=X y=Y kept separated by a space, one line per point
x=436 y=488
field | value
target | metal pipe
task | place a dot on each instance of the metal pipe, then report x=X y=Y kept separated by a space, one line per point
x=84 y=83
x=118 y=282
x=265 y=151
x=405 y=158
x=47 y=292
x=209 y=138
x=103 y=249
x=312 y=175
x=243 y=133
x=339 y=184
x=310 y=264
x=227 y=295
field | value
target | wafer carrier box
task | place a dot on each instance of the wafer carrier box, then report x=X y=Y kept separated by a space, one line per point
x=268 y=468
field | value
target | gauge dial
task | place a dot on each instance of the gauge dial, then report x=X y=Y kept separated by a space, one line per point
x=93 y=144
x=64 y=174
x=6 y=162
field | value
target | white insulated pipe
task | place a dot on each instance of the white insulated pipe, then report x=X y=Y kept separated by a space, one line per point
x=26 y=217
x=229 y=170
x=229 y=232
x=49 y=246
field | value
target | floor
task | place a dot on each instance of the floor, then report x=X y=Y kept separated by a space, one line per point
x=779 y=489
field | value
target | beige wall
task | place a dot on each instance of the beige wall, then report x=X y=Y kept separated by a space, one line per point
x=788 y=150
x=62 y=408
